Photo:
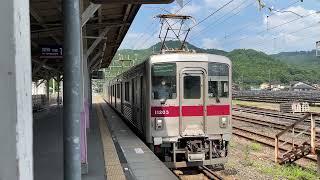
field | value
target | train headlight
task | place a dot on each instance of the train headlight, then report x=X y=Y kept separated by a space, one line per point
x=223 y=122
x=158 y=124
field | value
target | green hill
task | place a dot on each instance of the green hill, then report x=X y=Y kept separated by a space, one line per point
x=253 y=67
x=305 y=58
x=250 y=67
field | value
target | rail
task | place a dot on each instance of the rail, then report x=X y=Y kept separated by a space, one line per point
x=298 y=150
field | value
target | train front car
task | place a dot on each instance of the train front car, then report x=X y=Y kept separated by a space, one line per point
x=190 y=108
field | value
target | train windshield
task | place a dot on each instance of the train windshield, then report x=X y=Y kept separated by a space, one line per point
x=164 y=85
x=218 y=80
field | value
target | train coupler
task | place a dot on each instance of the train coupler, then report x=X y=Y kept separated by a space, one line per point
x=195 y=151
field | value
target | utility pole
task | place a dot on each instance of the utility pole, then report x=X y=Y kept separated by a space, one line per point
x=318 y=48
x=269 y=79
x=318 y=151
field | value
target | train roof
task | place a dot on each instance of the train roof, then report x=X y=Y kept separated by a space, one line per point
x=177 y=57
x=185 y=57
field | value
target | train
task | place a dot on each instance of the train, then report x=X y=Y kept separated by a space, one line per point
x=180 y=104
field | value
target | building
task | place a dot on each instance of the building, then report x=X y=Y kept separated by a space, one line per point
x=301 y=86
x=264 y=86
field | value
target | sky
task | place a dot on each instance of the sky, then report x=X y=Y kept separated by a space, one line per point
x=290 y=25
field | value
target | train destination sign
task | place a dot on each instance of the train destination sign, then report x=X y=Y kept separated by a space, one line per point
x=51 y=51
x=218 y=69
x=168 y=69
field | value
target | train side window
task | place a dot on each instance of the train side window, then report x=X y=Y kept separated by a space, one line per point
x=224 y=89
x=192 y=87
x=164 y=85
x=118 y=91
x=126 y=91
x=212 y=89
x=218 y=89
x=218 y=80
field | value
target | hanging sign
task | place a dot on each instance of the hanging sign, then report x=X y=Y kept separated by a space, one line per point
x=51 y=51
x=97 y=75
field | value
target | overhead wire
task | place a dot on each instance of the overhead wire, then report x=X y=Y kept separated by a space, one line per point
x=251 y=24
x=217 y=22
x=156 y=30
x=300 y=39
x=143 y=34
x=211 y=14
x=290 y=33
x=274 y=27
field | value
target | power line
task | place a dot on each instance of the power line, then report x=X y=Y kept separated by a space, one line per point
x=142 y=35
x=274 y=27
x=254 y=22
x=290 y=33
x=210 y=15
x=213 y=13
x=217 y=21
x=154 y=32
x=303 y=38
x=183 y=6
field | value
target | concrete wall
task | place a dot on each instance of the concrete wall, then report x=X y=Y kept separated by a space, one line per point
x=16 y=158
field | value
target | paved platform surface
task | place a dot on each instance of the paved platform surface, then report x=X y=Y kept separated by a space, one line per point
x=48 y=147
x=137 y=160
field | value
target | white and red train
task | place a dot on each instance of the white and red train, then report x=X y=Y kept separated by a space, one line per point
x=181 y=105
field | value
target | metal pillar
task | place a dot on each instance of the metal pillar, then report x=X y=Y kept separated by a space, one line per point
x=16 y=139
x=71 y=90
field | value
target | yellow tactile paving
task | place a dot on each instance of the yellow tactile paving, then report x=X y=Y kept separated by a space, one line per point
x=113 y=166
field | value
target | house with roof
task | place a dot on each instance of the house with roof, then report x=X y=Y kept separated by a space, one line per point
x=301 y=86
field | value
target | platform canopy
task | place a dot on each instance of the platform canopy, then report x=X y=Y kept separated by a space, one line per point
x=104 y=25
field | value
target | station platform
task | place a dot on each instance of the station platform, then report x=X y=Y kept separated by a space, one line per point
x=114 y=151
x=137 y=160
x=48 y=146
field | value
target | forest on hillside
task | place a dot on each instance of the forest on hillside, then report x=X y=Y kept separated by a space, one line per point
x=250 y=67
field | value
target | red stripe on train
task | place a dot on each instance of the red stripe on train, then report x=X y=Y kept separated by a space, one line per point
x=192 y=110
x=218 y=110
x=174 y=111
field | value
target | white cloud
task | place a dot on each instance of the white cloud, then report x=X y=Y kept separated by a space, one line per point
x=299 y=34
x=271 y=41
x=190 y=9
x=215 y=4
x=139 y=40
x=209 y=43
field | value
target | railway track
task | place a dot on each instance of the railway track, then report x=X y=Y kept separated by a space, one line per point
x=209 y=173
x=262 y=139
x=277 y=96
x=270 y=113
x=270 y=124
x=200 y=172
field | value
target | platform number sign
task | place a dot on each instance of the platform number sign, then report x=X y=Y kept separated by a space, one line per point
x=51 y=51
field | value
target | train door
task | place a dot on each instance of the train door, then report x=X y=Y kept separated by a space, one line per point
x=138 y=94
x=192 y=102
x=133 y=102
x=142 y=109
x=121 y=96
